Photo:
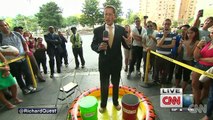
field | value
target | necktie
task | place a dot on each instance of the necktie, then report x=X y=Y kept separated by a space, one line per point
x=111 y=36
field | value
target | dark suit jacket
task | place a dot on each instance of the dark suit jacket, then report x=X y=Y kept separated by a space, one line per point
x=53 y=42
x=112 y=61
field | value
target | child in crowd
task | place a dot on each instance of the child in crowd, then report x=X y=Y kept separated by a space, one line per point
x=40 y=54
x=7 y=81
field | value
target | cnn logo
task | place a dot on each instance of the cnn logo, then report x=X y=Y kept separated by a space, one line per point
x=171 y=97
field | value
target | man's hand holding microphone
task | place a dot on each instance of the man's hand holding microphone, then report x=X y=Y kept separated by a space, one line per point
x=103 y=46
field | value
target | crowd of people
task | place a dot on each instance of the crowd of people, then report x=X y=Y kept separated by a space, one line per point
x=37 y=51
x=188 y=44
x=191 y=45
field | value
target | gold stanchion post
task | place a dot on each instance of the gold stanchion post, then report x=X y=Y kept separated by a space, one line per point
x=31 y=72
x=147 y=66
x=145 y=82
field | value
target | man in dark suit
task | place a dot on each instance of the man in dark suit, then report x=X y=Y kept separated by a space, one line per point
x=53 y=50
x=110 y=56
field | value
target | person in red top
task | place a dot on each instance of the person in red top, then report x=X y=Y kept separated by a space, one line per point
x=203 y=54
x=210 y=98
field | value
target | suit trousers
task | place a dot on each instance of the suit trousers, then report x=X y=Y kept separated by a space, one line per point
x=64 y=56
x=54 y=54
x=78 y=52
x=104 y=80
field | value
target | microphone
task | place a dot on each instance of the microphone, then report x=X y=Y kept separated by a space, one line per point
x=105 y=38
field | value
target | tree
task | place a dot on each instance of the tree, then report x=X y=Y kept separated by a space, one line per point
x=50 y=15
x=27 y=22
x=118 y=8
x=71 y=20
x=91 y=13
x=129 y=18
x=175 y=24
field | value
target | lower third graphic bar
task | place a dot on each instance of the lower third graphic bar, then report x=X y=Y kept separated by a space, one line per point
x=37 y=110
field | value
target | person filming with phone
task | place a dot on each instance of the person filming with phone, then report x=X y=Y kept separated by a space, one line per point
x=149 y=44
x=203 y=31
x=203 y=54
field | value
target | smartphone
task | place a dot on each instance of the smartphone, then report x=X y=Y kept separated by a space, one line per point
x=149 y=32
x=201 y=11
x=145 y=17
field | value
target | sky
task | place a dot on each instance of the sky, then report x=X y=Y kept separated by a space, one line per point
x=10 y=8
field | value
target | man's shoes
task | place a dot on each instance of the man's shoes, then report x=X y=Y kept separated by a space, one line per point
x=59 y=71
x=66 y=65
x=51 y=76
x=32 y=89
x=76 y=67
x=138 y=73
x=157 y=82
x=143 y=78
x=45 y=72
x=25 y=91
x=102 y=110
x=128 y=75
x=118 y=107
x=82 y=66
x=41 y=80
x=126 y=69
